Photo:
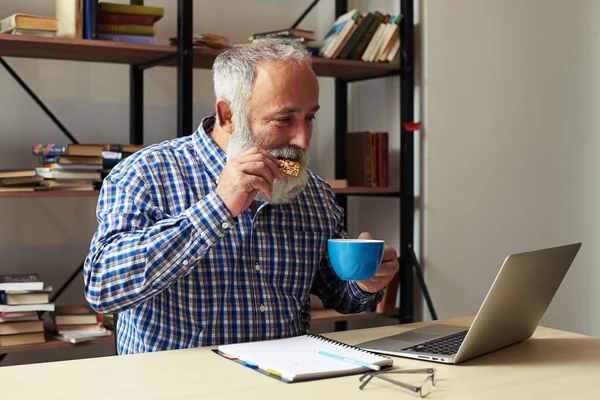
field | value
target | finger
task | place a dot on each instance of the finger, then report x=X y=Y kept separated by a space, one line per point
x=365 y=236
x=387 y=268
x=267 y=158
x=389 y=254
x=258 y=183
x=258 y=168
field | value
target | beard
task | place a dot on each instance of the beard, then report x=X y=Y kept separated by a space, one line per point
x=284 y=190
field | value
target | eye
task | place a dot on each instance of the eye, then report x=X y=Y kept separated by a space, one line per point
x=311 y=118
x=285 y=120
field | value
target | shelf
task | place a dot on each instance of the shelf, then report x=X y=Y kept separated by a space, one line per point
x=344 y=69
x=131 y=53
x=368 y=191
x=51 y=344
x=52 y=193
x=81 y=49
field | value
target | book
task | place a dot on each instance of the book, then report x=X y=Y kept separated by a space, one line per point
x=28 y=21
x=22 y=339
x=75 y=315
x=18 y=297
x=69 y=16
x=125 y=19
x=21 y=282
x=337 y=33
x=134 y=9
x=304 y=33
x=14 y=328
x=140 y=30
x=305 y=357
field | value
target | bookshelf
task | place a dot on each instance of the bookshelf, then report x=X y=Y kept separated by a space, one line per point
x=184 y=58
x=52 y=344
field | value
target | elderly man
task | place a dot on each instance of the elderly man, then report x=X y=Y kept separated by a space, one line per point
x=203 y=240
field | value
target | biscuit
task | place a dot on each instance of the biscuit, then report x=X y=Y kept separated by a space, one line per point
x=290 y=167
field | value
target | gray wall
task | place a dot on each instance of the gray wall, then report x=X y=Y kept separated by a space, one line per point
x=511 y=90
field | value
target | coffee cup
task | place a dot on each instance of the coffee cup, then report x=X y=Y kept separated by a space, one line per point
x=355 y=259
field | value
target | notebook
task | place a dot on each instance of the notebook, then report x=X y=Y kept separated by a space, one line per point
x=305 y=357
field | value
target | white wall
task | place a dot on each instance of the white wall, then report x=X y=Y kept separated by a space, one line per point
x=52 y=236
x=511 y=90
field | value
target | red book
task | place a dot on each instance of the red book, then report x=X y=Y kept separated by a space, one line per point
x=125 y=19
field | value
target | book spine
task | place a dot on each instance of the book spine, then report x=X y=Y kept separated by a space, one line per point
x=90 y=20
x=139 y=30
x=113 y=8
x=382 y=159
x=364 y=40
x=125 y=19
x=112 y=37
x=49 y=149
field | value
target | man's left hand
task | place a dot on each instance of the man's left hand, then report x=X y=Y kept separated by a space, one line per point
x=386 y=271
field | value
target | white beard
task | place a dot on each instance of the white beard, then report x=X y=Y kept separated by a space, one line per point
x=284 y=190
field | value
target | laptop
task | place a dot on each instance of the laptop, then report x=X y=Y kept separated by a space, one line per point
x=510 y=313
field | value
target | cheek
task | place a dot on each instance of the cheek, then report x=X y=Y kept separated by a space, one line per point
x=267 y=136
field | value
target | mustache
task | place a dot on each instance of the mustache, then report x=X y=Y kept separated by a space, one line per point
x=290 y=153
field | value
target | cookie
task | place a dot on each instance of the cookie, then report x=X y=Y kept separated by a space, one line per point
x=289 y=167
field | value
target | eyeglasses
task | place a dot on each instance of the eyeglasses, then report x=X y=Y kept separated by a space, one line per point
x=423 y=390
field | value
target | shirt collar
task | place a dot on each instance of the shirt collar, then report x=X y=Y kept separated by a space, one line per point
x=212 y=157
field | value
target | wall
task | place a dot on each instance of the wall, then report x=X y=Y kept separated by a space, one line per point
x=510 y=135
x=52 y=236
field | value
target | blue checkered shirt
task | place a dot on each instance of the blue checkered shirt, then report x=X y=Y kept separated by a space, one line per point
x=181 y=272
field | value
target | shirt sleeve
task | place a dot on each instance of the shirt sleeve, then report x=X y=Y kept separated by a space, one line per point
x=343 y=296
x=137 y=251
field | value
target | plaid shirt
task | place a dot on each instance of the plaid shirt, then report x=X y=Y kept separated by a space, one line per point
x=181 y=272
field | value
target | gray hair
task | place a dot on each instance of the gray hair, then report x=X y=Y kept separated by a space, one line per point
x=234 y=70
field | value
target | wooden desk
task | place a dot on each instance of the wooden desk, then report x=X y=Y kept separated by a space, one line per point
x=553 y=364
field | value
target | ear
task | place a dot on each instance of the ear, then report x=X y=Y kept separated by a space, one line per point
x=225 y=116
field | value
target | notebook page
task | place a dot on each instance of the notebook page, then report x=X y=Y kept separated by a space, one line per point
x=298 y=356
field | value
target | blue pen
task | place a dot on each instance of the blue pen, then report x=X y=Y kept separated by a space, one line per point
x=350 y=360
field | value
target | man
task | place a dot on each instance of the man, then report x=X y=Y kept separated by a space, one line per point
x=202 y=240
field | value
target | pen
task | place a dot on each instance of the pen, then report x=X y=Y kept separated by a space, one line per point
x=349 y=360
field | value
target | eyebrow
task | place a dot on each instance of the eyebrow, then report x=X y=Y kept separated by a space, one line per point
x=291 y=110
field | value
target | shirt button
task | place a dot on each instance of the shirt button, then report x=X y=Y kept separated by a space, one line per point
x=262 y=308
x=257 y=267
x=225 y=225
x=185 y=262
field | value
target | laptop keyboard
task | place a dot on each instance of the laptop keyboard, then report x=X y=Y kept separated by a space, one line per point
x=447 y=346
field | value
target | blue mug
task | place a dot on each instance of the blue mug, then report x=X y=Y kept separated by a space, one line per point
x=355 y=259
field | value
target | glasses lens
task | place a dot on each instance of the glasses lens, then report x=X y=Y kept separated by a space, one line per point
x=426 y=387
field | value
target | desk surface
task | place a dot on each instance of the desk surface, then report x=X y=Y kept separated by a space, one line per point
x=552 y=364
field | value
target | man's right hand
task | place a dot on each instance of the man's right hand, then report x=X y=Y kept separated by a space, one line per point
x=244 y=176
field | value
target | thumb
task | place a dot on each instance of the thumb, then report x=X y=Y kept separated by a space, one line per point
x=365 y=235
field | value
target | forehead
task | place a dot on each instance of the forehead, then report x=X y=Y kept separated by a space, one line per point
x=289 y=81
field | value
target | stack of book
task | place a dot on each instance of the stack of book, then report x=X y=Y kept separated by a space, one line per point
x=28 y=24
x=307 y=37
x=128 y=22
x=371 y=37
x=22 y=297
x=367 y=159
x=77 y=166
x=17 y=180
x=76 y=324
x=210 y=40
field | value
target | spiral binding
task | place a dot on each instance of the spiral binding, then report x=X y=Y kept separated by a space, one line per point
x=349 y=346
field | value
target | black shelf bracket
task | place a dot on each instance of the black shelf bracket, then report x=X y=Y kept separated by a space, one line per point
x=304 y=14
x=185 y=65
x=37 y=100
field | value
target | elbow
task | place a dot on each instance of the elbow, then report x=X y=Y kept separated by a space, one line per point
x=96 y=291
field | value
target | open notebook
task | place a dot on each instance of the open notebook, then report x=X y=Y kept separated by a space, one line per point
x=304 y=357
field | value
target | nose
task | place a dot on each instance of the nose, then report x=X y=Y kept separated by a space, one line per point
x=301 y=135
